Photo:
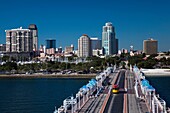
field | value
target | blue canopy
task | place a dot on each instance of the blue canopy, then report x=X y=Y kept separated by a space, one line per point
x=150 y=88
x=145 y=83
x=84 y=87
x=92 y=82
x=90 y=85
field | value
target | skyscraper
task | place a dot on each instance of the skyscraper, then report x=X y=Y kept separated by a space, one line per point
x=51 y=46
x=150 y=46
x=84 y=49
x=19 y=40
x=34 y=30
x=96 y=43
x=109 y=42
x=50 y=43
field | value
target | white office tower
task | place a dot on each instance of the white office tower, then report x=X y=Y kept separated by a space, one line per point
x=109 y=42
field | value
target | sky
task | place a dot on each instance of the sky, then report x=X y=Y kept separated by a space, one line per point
x=67 y=20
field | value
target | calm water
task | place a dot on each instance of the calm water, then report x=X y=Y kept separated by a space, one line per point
x=36 y=95
x=162 y=85
x=41 y=95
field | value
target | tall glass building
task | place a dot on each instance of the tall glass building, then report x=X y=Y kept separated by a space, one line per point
x=50 y=43
x=96 y=43
x=109 y=42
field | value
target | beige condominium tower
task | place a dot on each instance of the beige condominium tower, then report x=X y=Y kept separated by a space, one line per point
x=84 y=49
x=19 y=40
x=150 y=46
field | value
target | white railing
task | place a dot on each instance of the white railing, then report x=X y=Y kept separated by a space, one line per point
x=156 y=104
x=84 y=93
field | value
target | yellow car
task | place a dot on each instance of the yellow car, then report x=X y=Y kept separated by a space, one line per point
x=115 y=88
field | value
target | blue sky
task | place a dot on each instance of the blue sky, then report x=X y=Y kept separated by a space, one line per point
x=67 y=20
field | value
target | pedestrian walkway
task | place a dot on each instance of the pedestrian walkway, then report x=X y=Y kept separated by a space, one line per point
x=135 y=105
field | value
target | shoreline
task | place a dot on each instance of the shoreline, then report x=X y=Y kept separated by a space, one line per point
x=156 y=72
x=48 y=76
x=157 y=75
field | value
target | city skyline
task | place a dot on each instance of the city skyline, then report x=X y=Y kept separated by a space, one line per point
x=66 y=20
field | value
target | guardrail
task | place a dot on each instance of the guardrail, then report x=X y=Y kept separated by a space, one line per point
x=153 y=101
x=84 y=93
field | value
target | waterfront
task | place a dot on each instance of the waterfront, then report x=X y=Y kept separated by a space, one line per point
x=24 y=76
x=162 y=86
x=38 y=95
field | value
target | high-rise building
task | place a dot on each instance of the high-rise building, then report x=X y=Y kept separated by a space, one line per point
x=50 y=43
x=34 y=30
x=50 y=46
x=109 y=42
x=150 y=46
x=84 y=49
x=96 y=46
x=96 y=43
x=19 y=40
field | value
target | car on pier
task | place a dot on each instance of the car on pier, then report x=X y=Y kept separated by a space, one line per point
x=115 y=88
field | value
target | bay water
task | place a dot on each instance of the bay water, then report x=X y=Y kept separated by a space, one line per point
x=162 y=86
x=41 y=95
x=38 y=95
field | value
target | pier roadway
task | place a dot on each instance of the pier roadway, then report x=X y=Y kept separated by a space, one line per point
x=115 y=102
x=94 y=104
x=125 y=101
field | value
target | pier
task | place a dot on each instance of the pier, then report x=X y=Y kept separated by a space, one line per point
x=135 y=94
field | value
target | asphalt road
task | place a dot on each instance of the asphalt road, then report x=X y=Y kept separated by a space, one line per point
x=115 y=102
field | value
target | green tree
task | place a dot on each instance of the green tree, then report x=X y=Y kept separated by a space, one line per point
x=163 y=61
x=5 y=58
x=10 y=66
x=123 y=64
x=62 y=66
x=168 y=61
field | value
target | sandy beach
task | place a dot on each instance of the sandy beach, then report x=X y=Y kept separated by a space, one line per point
x=156 y=72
